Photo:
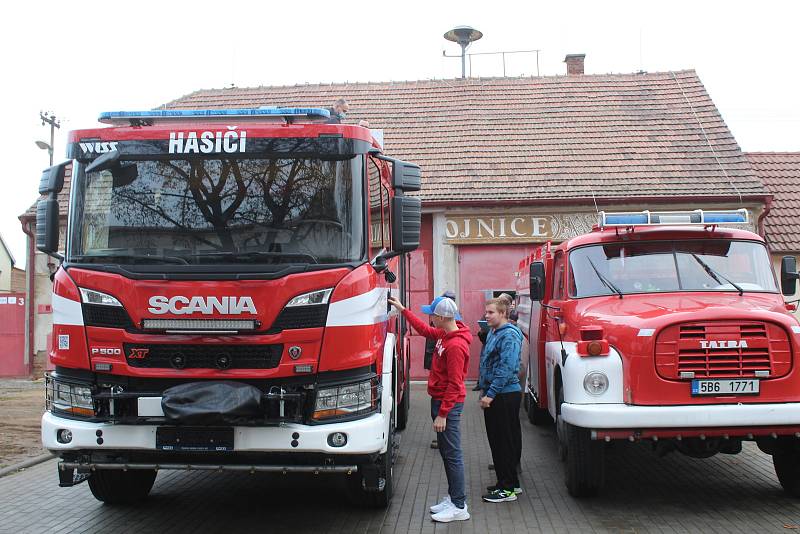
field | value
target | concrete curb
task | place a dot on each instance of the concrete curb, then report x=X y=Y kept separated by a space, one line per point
x=30 y=462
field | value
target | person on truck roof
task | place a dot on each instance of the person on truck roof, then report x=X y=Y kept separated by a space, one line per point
x=446 y=388
x=500 y=399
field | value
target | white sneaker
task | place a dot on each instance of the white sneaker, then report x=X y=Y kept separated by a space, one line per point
x=442 y=505
x=451 y=514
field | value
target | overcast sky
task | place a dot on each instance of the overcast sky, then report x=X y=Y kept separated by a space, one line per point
x=80 y=58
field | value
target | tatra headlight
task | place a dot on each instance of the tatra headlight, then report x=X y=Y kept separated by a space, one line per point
x=595 y=383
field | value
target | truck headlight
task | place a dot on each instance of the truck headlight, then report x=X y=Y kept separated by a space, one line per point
x=71 y=399
x=595 y=383
x=346 y=400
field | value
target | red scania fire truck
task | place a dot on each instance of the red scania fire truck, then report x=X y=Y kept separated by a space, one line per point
x=221 y=301
x=665 y=327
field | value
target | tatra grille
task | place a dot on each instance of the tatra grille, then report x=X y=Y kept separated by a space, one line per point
x=723 y=350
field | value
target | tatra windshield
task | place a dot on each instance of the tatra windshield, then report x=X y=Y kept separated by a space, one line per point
x=219 y=211
x=667 y=266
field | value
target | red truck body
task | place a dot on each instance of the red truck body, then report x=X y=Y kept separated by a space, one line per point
x=672 y=333
x=221 y=303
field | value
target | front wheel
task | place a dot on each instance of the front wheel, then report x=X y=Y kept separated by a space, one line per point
x=585 y=469
x=537 y=416
x=121 y=487
x=381 y=497
x=787 y=467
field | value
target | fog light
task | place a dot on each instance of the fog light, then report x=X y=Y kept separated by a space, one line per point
x=64 y=436
x=337 y=439
x=595 y=383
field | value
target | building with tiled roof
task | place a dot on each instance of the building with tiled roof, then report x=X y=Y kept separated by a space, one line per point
x=780 y=174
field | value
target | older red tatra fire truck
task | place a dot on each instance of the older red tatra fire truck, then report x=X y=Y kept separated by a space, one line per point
x=221 y=301
x=665 y=327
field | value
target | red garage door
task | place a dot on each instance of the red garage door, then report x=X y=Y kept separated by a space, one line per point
x=12 y=335
x=484 y=268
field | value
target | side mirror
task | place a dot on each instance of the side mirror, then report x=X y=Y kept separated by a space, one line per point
x=537 y=281
x=53 y=179
x=406 y=176
x=789 y=275
x=406 y=223
x=47 y=226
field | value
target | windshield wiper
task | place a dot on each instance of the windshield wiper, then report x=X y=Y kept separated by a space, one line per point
x=255 y=255
x=716 y=275
x=135 y=258
x=603 y=279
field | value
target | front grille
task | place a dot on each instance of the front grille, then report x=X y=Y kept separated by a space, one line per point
x=723 y=350
x=106 y=316
x=313 y=316
x=203 y=356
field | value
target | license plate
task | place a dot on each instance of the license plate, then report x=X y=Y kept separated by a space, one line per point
x=725 y=387
x=171 y=438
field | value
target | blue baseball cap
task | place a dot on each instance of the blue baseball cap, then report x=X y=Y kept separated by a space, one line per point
x=443 y=307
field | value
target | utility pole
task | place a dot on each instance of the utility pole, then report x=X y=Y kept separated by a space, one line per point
x=49 y=118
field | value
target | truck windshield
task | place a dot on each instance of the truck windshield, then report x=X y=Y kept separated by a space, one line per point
x=219 y=211
x=653 y=267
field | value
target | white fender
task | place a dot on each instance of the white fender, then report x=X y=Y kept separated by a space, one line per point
x=575 y=369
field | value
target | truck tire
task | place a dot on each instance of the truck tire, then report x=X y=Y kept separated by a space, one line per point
x=585 y=469
x=787 y=467
x=381 y=498
x=121 y=487
x=405 y=405
x=537 y=416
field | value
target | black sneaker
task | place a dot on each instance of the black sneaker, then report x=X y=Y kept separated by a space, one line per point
x=476 y=388
x=490 y=489
x=500 y=495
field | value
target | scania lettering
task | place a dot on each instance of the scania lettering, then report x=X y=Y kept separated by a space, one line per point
x=221 y=299
x=181 y=305
x=667 y=328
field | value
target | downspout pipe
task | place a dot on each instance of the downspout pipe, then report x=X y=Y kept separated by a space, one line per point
x=27 y=228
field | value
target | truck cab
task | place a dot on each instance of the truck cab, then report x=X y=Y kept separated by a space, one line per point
x=664 y=327
x=221 y=299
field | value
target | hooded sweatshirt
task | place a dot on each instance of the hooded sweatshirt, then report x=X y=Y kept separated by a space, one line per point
x=499 y=367
x=450 y=362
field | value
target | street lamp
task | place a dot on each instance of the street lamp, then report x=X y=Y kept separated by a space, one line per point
x=45 y=146
x=49 y=118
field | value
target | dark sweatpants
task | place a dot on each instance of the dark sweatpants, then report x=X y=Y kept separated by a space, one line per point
x=505 y=437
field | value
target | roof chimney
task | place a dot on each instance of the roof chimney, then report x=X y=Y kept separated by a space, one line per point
x=574 y=64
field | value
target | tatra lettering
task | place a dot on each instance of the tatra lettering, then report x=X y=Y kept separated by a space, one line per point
x=723 y=344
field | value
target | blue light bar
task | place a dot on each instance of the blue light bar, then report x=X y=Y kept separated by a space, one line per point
x=115 y=117
x=624 y=219
x=653 y=218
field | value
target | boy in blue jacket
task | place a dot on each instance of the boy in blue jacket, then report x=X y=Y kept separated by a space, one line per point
x=500 y=399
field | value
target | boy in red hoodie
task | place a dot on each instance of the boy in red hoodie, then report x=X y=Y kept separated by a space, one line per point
x=446 y=388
